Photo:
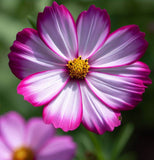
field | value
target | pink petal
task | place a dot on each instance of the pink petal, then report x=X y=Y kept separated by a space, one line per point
x=65 y=111
x=124 y=46
x=5 y=152
x=117 y=92
x=93 y=27
x=12 y=129
x=138 y=70
x=59 y=148
x=42 y=87
x=57 y=29
x=97 y=117
x=38 y=133
x=30 y=55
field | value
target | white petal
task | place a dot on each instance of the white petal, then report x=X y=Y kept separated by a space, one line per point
x=138 y=70
x=93 y=27
x=41 y=88
x=97 y=117
x=57 y=29
x=124 y=46
x=65 y=111
x=117 y=92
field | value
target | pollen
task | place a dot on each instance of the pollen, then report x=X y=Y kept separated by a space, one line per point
x=78 y=68
x=23 y=153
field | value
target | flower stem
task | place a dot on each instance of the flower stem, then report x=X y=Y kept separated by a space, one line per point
x=98 y=148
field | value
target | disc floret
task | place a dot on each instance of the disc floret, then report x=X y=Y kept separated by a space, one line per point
x=78 y=68
x=23 y=153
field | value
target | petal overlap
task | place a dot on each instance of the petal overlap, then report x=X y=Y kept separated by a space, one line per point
x=124 y=46
x=40 y=88
x=62 y=148
x=57 y=29
x=93 y=27
x=38 y=133
x=97 y=117
x=117 y=92
x=30 y=55
x=65 y=111
x=138 y=70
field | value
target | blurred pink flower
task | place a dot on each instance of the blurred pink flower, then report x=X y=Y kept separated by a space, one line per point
x=33 y=140
x=79 y=71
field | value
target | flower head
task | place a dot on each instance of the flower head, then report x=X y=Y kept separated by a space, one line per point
x=32 y=140
x=78 y=70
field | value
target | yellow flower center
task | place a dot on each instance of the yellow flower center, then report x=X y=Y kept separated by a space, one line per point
x=78 y=68
x=23 y=153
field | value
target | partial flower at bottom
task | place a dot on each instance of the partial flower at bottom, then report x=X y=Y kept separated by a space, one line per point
x=80 y=71
x=32 y=140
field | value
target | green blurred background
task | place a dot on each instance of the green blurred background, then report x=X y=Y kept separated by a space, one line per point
x=137 y=125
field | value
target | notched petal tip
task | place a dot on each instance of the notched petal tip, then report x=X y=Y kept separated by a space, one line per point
x=123 y=47
x=93 y=27
x=59 y=123
x=109 y=126
x=62 y=39
x=97 y=117
x=67 y=114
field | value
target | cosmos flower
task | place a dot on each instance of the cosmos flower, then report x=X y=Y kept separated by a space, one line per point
x=32 y=140
x=78 y=70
